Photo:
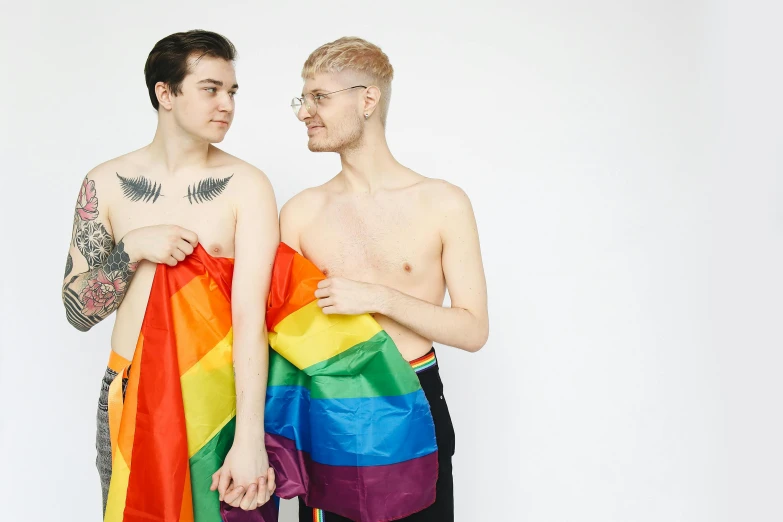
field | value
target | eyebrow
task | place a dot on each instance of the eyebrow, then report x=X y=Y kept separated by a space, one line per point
x=217 y=82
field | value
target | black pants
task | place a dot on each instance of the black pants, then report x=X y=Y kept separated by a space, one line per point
x=443 y=508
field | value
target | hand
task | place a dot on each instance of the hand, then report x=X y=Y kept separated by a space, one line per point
x=338 y=295
x=245 y=480
x=167 y=244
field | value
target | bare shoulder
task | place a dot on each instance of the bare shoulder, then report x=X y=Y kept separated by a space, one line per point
x=449 y=197
x=246 y=181
x=100 y=186
x=126 y=165
x=301 y=208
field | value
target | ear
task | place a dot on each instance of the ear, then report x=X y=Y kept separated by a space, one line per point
x=372 y=97
x=164 y=95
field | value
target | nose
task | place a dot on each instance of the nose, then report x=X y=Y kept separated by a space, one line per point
x=226 y=103
x=302 y=115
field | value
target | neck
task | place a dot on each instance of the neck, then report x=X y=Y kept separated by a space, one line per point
x=369 y=166
x=176 y=149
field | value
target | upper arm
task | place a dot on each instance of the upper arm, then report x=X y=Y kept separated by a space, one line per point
x=462 y=264
x=289 y=230
x=297 y=214
x=256 y=240
x=91 y=239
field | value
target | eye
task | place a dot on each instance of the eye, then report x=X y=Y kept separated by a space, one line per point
x=232 y=94
x=211 y=90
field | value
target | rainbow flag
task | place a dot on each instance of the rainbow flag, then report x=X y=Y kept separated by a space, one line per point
x=347 y=424
x=176 y=424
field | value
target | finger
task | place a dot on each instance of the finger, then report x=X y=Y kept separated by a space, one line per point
x=225 y=480
x=329 y=310
x=186 y=247
x=234 y=496
x=171 y=261
x=326 y=302
x=322 y=292
x=178 y=254
x=215 y=479
x=189 y=236
x=271 y=485
x=326 y=283
x=261 y=483
x=249 y=500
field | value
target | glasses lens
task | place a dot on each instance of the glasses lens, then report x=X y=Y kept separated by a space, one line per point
x=296 y=104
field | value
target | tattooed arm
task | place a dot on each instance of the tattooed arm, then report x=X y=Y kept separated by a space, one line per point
x=98 y=271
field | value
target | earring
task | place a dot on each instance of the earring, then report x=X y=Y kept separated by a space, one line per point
x=366 y=115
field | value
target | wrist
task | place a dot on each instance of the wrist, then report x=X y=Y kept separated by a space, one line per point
x=245 y=436
x=384 y=299
x=130 y=247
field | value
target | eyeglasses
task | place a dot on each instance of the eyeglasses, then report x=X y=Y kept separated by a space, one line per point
x=310 y=101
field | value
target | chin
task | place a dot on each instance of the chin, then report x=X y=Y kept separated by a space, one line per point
x=215 y=137
x=319 y=146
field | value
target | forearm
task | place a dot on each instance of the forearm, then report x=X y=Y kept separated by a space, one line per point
x=92 y=296
x=251 y=362
x=455 y=327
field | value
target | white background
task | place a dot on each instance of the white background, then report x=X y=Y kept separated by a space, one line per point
x=624 y=162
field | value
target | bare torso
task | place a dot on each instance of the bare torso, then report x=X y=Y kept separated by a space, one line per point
x=391 y=237
x=213 y=221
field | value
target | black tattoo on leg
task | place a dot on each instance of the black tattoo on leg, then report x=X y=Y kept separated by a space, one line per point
x=68 y=266
x=140 y=188
x=206 y=189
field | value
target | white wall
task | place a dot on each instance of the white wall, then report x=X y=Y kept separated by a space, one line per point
x=624 y=163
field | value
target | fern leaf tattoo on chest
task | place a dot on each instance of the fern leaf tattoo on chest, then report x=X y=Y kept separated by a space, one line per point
x=207 y=189
x=140 y=189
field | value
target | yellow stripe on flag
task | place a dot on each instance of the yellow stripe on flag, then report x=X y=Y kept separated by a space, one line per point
x=118 y=489
x=308 y=336
x=208 y=394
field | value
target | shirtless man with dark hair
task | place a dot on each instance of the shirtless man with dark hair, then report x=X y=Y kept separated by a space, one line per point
x=155 y=205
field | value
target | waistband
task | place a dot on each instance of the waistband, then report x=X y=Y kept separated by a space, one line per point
x=427 y=361
x=117 y=362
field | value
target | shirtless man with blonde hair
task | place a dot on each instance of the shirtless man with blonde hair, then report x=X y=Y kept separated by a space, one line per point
x=389 y=240
x=155 y=205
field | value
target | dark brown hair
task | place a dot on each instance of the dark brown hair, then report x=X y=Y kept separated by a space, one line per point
x=168 y=60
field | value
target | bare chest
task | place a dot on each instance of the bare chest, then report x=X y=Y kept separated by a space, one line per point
x=394 y=243
x=213 y=221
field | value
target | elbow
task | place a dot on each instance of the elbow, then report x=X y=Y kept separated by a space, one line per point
x=82 y=327
x=478 y=341
x=77 y=320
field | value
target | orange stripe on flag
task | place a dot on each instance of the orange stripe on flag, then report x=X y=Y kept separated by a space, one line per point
x=285 y=298
x=201 y=318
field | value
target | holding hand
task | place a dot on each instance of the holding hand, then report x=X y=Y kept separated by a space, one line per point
x=245 y=480
x=338 y=295
x=167 y=244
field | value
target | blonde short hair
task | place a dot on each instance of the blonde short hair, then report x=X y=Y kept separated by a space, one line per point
x=355 y=54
